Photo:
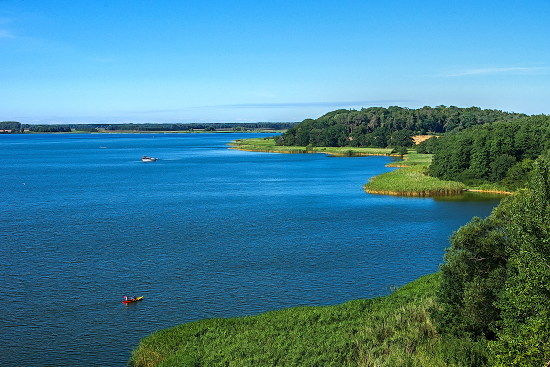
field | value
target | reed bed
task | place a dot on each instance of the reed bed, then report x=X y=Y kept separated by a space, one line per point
x=396 y=330
x=412 y=181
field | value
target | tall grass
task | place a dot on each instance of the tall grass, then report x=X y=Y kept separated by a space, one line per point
x=268 y=145
x=413 y=159
x=412 y=181
x=396 y=330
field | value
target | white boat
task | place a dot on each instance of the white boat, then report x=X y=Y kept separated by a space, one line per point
x=148 y=159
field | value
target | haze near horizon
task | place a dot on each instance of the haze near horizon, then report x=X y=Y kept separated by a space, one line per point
x=249 y=61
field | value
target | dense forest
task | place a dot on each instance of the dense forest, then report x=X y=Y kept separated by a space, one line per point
x=383 y=127
x=502 y=152
x=495 y=286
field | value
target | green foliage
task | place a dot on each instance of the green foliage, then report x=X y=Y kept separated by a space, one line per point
x=269 y=145
x=412 y=181
x=524 y=331
x=10 y=126
x=518 y=174
x=151 y=127
x=496 y=153
x=396 y=330
x=197 y=126
x=50 y=128
x=427 y=146
x=401 y=138
x=496 y=278
x=400 y=151
x=472 y=275
x=383 y=127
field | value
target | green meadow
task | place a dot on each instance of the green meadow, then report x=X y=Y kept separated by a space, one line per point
x=395 y=330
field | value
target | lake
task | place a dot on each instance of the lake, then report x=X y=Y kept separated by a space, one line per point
x=203 y=232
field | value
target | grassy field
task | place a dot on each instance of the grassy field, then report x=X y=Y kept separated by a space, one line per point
x=396 y=330
x=268 y=145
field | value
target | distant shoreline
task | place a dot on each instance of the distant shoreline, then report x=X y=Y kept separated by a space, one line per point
x=148 y=132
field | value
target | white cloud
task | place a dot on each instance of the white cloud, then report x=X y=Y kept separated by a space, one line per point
x=496 y=70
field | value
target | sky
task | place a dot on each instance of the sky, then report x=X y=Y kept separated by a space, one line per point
x=152 y=61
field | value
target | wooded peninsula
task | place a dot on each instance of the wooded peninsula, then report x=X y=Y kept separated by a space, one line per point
x=489 y=305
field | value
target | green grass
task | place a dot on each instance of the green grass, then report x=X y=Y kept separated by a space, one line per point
x=396 y=330
x=412 y=181
x=413 y=159
x=268 y=145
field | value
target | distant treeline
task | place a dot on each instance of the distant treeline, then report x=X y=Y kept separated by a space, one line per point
x=502 y=152
x=7 y=127
x=383 y=127
x=199 y=126
x=17 y=127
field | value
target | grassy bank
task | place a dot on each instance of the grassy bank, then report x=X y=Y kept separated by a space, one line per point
x=268 y=145
x=395 y=330
x=411 y=180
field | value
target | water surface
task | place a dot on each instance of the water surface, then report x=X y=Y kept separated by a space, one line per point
x=204 y=232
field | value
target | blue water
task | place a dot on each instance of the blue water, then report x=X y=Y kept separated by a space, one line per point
x=204 y=232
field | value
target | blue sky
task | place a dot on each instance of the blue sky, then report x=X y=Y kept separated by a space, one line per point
x=247 y=61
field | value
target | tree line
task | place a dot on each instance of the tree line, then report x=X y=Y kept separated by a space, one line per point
x=17 y=127
x=10 y=127
x=199 y=126
x=502 y=152
x=382 y=127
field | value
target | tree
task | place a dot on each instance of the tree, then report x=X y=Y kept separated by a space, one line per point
x=496 y=277
x=500 y=166
x=401 y=138
x=472 y=277
x=486 y=153
x=427 y=146
x=524 y=335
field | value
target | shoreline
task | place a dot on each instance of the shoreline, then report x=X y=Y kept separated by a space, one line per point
x=408 y=180
x=226 y=334
x=305 y=151
x=268 y=146
x=500 y=192
x=148 y=132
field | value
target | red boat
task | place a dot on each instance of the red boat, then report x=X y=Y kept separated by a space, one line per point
x=132 y=299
